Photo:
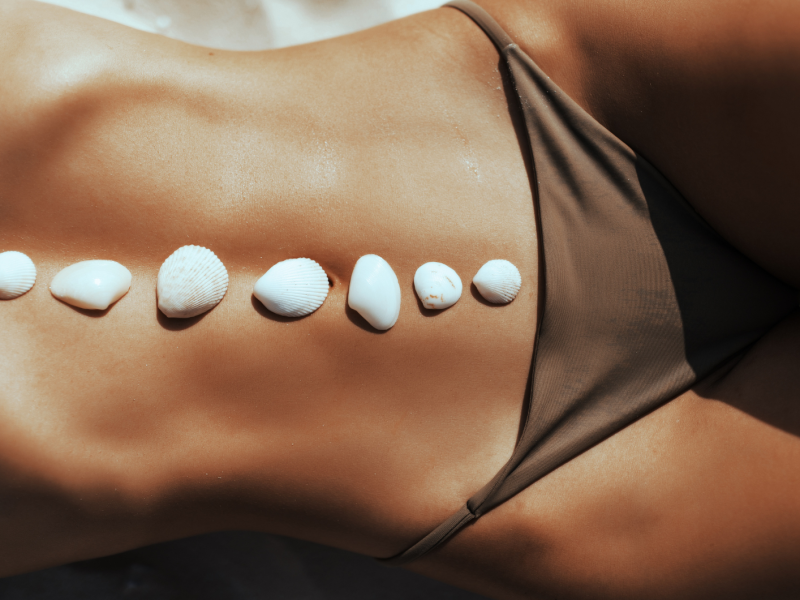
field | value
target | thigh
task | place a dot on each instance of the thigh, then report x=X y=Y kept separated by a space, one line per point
x=696 y=500
x=706 y=91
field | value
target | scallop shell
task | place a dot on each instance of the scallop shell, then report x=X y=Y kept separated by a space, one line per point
x=293 y=288
x=190 y=282
x=17 y=274
x=498 y=281
x=92 y=284
x=437 y=285
x=375 y=292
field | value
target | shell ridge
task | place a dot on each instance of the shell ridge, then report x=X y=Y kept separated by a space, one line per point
x=293 y=287
x=17 y=274
x=498 y=281
x=191 y=281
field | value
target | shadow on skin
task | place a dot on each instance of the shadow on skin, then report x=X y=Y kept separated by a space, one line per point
x=178 y=324
x=268 y=314
x=95 y=314
x=477 y=295
x=358 y=320
x=762 y=381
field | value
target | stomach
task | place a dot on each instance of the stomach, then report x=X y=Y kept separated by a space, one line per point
x=132 y=146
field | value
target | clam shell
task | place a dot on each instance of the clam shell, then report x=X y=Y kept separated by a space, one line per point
x=92 y=284
x=498 y=281
x=293 y=288
x=437 y=285
x=17 y=274
x=190 y=282
x=375 y=292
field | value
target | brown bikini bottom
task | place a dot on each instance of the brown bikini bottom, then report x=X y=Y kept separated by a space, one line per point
x=638 y=297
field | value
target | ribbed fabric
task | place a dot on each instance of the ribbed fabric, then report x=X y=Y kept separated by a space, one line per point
x=639 y=298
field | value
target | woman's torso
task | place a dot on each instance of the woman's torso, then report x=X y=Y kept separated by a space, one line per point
x=137 y=146
x=396 y=429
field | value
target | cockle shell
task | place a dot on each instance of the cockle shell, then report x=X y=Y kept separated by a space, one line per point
x=293 y=288
x=17 y=274
x=190 y=282
x=498 y=281
x=92 y=284
x=375 y=292
x=437 y=285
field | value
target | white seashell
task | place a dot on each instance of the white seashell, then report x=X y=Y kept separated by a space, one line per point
x=437 y=285
x=92 y=284
x=190 y=282
x=375 y=292
x=498 y=281
x=17 y=274
x=293 y=288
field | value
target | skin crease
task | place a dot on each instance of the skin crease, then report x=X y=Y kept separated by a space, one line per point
x=126 y=429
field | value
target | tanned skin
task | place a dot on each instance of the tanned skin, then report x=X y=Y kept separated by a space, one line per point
x=126 y=428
